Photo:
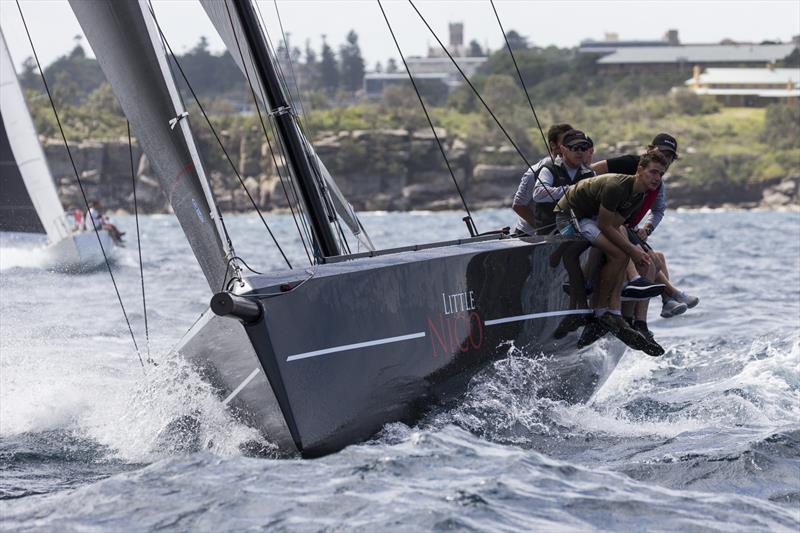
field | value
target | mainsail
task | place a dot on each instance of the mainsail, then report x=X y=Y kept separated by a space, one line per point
x=29 y=200
x=222 y=15
x=127 y=45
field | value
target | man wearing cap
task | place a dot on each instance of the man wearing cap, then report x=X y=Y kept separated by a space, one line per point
x=674 y=301
x=545 y=183
x=599 y=206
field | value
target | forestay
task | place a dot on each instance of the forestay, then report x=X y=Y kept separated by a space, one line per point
x=222 y=15
x=127 y=45
x=23 y=162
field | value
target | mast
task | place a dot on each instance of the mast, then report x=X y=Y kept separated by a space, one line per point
x=287 y=130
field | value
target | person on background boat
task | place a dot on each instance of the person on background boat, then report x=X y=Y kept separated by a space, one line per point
x=674 y=301
x=77 y=218
x=599 y=206
x=102 y=222
x=545 y=182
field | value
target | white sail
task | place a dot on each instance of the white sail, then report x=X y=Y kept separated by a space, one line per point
x=27 y=151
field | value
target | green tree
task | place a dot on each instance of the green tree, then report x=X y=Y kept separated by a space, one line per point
x=782 y=126
x=352 y=64
x=391 y=66
x=82 y=74
x=475 y=49
x=29 y=78
x=328 y=69
x=516 y=41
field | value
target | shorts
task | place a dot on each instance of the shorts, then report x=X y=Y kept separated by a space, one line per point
x=588 y=226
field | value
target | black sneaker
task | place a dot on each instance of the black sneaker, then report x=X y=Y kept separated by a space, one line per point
x=641 y=327
x=642 y=288
x=653 y=348
x=569 y=324
x=621 y=330
x=592 y=331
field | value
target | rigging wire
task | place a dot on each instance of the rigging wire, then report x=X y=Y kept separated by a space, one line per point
x=288 y=56
x=300 y=123
x=522 y=81
x=269 y=144
x=219 y=141
x=478 y=94
x=430 y=121
x=139 y=244
x=80 y=185
x=305 y=234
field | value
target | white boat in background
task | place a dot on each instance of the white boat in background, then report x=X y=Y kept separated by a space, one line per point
x=29 y=201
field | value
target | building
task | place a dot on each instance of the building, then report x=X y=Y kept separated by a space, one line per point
x=435 y=69
x=611 y=43
x=747 y=86
x=376 y=82
x=665 y=59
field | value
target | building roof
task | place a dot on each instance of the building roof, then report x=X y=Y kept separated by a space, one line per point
x=764 y=93
x=403 y=76
x=747 y=76
x=699 y=53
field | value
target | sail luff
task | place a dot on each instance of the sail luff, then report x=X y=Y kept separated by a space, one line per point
x=124 y=46
x=163 y=63
x=27 y=150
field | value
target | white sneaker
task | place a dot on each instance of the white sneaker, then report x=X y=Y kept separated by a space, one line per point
x=673 y=307
x=687 y=299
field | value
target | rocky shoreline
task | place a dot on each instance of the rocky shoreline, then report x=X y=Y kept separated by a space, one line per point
x=408 y=174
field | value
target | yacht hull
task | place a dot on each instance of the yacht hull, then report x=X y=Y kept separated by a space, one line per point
x=342 y=350
x=79 y=252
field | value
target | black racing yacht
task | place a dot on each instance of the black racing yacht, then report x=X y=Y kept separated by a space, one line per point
x=323 y=356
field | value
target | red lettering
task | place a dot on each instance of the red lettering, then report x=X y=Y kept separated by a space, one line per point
x=476 y=318
x=436 y=335
x=462 y=346
x=456 y=333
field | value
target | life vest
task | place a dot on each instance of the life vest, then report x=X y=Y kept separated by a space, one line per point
x=543 y=211
x=647 y=203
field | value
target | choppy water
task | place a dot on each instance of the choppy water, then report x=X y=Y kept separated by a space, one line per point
x=706 y=438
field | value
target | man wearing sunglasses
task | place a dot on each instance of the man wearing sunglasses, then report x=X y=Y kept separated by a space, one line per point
x=548 y=183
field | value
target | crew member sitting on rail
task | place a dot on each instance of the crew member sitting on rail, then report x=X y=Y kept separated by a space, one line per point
x=545 y=182
x=598 y=206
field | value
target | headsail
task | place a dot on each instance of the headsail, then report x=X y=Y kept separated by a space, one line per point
x=30 y=200
x=126 y=43
x=225 y=22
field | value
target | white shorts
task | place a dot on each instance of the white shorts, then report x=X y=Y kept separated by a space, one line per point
x=589 y=229
x=588 y=226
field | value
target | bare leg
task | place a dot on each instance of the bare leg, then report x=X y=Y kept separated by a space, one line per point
x=612 y=275
x=577 y=283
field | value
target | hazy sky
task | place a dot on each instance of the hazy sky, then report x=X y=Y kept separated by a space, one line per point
x=544 y=22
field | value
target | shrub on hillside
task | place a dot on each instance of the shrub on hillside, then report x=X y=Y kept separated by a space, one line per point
x=782 y=126
x=688 y=103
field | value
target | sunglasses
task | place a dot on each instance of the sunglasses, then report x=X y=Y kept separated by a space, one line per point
x=579 y=148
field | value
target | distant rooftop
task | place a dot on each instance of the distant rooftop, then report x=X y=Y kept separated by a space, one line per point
x=700 y=53
x=747 y=76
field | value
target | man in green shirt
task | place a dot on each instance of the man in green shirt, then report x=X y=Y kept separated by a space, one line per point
x=598 y=207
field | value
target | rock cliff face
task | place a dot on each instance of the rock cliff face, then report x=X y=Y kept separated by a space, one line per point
x=376 y=170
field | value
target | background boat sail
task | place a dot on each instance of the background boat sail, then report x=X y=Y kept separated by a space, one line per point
x=30 y=202
x=323 y=357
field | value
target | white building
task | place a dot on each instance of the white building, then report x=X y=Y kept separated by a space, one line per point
x=747 y=86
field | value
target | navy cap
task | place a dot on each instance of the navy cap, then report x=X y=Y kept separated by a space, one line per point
x=665 y=141
x=575 y=138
